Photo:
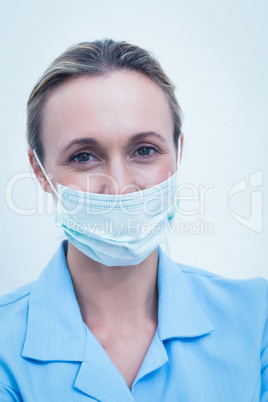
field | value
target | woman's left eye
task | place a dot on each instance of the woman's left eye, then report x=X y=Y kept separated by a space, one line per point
x=145 y=151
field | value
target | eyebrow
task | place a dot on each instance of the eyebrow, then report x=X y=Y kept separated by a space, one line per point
x=92 y=141
x=80 y=141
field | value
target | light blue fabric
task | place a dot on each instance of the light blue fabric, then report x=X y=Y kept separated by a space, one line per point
x=210 y=344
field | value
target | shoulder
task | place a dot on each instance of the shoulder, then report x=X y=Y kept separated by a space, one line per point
x=13 y=323
x=14 y=304
x=212 y=280
x=216 y=292
x=187 y=269
x=246 y=298
x=13 y=297
x=13 y=313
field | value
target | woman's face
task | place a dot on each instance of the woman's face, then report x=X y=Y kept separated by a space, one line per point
x=110 y=134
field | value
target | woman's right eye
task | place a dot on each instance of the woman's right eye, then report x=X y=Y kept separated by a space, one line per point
x=82 y=157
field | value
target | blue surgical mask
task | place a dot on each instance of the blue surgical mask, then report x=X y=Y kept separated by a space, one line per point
x=117 y=230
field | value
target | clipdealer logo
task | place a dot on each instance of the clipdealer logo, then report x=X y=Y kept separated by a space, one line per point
x=255 y=220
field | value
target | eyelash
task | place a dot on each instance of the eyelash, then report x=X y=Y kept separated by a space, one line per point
x=72 y=158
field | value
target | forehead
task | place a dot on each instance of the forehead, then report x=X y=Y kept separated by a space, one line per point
x=114 y=105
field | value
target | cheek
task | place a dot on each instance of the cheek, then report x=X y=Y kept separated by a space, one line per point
x=152 y=175
x=90 y=182
x=74 y=180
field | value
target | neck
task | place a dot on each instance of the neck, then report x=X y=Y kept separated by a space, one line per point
x=110 y=297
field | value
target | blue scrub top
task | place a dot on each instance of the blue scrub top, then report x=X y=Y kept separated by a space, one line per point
x=210 y=344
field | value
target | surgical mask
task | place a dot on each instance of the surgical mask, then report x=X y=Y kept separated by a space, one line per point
x=116 y=230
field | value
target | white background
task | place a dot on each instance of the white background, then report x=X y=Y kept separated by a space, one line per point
x=216 y=54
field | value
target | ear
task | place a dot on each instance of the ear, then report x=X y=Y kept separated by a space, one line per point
x=38 y=172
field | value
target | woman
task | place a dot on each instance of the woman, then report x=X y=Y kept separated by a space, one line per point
x=111 y=317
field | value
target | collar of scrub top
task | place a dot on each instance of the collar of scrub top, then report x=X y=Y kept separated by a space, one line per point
x=55 y=330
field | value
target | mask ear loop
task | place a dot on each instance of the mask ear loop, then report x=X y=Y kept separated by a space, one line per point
x=45 y=174
x=179 y=152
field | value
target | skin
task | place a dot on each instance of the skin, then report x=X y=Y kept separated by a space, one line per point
x=105 y=118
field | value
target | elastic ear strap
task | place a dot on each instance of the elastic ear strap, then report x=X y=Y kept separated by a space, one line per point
x=45 y=174
x=179 y=151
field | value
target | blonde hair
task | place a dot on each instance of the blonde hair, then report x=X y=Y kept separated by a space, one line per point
x=96 y=58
